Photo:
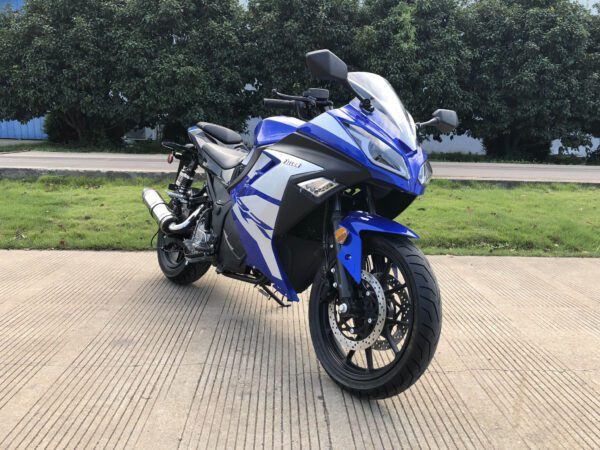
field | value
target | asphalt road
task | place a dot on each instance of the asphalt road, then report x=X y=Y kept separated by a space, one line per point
x=97 y=349
x=158 y=163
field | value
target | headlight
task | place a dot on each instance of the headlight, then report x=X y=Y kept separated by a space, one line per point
x=379 y=152
x=425 y=173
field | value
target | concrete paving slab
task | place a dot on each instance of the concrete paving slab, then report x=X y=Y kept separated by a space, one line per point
x=98 y=350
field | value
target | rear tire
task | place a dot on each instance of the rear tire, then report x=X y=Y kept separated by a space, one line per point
x=172 y=261
x=416 y=343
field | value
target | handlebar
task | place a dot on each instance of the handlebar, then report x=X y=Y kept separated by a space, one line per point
x=306 y=107
x=275 y=103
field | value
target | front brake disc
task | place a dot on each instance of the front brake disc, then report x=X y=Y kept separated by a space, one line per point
x=350 y=344
x=400 y=330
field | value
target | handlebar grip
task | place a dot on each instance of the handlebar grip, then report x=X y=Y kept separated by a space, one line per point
x=275 y=103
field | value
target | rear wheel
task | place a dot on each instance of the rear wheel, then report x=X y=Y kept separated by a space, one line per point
x=173 y=264
x=380 y=343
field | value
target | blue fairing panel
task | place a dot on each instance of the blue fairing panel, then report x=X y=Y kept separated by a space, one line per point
x=329 y=128
x=271 y=130
x=257 y=200
x=358 y=221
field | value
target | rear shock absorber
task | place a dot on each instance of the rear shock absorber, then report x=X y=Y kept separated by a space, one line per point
x=185 y=178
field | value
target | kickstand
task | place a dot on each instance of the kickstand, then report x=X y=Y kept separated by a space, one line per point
x=270 y=294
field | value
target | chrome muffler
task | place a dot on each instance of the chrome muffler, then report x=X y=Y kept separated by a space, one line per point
x=164 y=217
x=158 y=209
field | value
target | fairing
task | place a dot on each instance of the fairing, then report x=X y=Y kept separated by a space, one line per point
x=271 y=130
x=358 y=222
x=257 y=200
x=291 y=152
x=330 y=128
x=389 y=112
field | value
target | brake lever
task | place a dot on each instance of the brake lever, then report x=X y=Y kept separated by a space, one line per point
x=298 y=98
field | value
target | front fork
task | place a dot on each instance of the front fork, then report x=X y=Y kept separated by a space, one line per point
x=340 y=276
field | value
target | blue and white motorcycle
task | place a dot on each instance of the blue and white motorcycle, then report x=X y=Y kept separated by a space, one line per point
x=313 y=204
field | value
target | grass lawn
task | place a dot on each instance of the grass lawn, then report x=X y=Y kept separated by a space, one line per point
x=452 y=218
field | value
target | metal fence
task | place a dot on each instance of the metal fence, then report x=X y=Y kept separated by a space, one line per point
x=34 y=129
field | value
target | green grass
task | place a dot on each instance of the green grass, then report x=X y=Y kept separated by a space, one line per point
x=477 y=218
x=75 y=213
x=452 y=218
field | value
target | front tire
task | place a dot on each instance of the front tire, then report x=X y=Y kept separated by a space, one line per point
x=412 y=321
x=171 y=260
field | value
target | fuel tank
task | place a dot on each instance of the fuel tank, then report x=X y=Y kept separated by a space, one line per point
x=273 y=129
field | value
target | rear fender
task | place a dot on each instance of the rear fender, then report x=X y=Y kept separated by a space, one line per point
x=358 y=222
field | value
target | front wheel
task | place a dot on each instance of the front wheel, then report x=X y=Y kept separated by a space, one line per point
x=380 y=342
x=173 y=264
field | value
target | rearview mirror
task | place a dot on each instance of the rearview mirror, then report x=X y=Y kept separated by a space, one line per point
x=324 y=65
x=447 y=120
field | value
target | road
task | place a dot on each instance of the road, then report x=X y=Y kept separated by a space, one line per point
x=97 y=349
x=157 y=163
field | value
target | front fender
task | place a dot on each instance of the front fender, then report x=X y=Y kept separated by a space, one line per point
x=356 y=222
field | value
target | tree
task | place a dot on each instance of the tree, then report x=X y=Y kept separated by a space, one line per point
x=281 y=32
x=588 y=120
x=525 y=73
x=58 y=55
x=418 y=47
x=104 y=66
x=180 y=62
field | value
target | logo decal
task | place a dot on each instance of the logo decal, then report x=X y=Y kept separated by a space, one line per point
x=295 y=164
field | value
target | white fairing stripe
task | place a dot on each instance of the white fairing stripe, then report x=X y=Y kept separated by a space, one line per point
x=262 y=211
x=264 y=243
x=275 y=181
x=330 y=124
x=261 y=208
x=262 y=161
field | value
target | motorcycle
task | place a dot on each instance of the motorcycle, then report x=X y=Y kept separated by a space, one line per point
x=312 y=204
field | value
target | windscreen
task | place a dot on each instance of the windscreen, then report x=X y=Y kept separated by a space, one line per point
x=390 y=113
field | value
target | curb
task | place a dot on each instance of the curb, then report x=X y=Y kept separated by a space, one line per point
x=9 y=173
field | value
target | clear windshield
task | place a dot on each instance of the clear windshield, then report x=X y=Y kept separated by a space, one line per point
x=394 y=118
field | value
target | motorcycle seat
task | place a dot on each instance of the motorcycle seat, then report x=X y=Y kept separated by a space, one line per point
x=225 y=157
x=220 y=133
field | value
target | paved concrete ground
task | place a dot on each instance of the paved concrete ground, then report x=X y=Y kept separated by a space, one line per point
x=157 y=163
x=98 y=350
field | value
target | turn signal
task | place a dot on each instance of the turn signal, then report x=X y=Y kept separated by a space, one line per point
x=341 y=234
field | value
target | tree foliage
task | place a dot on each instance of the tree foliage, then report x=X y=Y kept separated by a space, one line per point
x=519 y=72
x=526 y=73
x=280 y=33
x=180 y=61
x=105 y=66
x=58 y=55
x=418 y=47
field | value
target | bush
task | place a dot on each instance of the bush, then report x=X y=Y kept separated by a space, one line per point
x=95 y=131
x=57 y=130
x=526 y=148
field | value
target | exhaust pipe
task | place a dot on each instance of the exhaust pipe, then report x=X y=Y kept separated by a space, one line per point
x=164 y=217
x=159 y=209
